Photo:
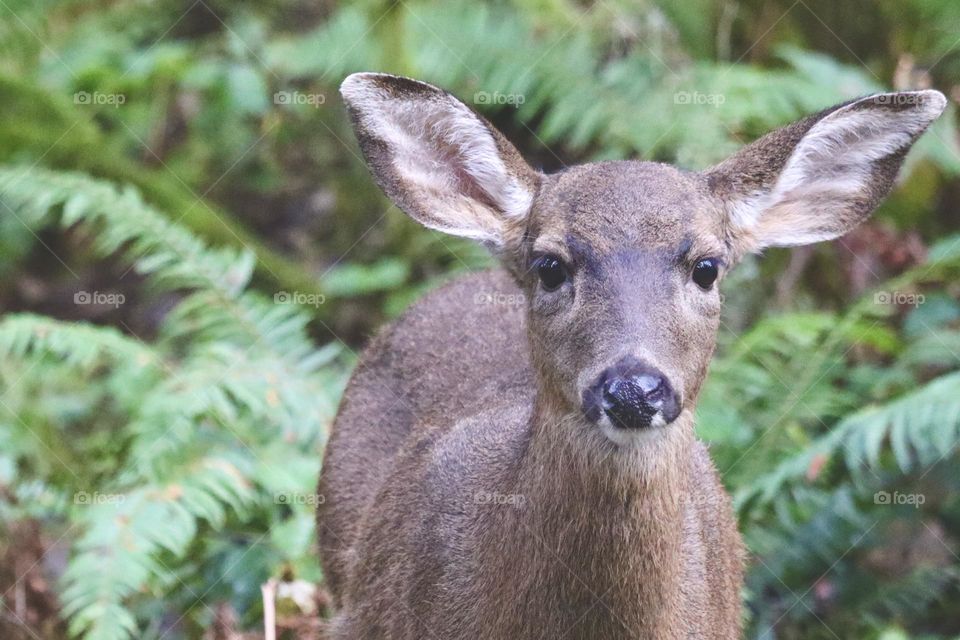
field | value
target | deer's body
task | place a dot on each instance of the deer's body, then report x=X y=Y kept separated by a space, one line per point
x=515 y=458
x=492 y=525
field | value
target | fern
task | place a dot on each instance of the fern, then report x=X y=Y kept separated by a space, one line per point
x=921 y=428
x=227 y=366
x=811 y=462
x=580 y=98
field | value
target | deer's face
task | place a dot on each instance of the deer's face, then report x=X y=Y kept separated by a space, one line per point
x=621 y=261
x=621 y=264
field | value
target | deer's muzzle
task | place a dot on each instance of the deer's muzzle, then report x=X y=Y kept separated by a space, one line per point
x=631 y=394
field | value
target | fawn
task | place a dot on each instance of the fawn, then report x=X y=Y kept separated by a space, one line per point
x=515 y=457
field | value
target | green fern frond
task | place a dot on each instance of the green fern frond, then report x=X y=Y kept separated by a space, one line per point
x=921 y=428
x=124 y=535
x=228 y=368
x=78 y=345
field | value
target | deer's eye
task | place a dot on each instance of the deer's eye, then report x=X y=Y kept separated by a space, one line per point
x=705 y=273
x=552 y=272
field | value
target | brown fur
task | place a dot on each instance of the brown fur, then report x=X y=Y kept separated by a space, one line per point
x=465 y=493
x=590 y=548
x=592 y=541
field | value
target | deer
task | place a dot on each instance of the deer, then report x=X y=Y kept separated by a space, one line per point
x=515 y=456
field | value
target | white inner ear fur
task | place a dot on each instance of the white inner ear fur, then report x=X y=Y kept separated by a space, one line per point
x=434 y=142
x=832 y=164
x=442 y=152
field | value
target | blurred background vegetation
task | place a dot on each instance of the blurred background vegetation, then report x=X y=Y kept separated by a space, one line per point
x=192 y=254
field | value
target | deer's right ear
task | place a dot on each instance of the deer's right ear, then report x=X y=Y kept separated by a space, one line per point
x=820 y=177
x=440 y=162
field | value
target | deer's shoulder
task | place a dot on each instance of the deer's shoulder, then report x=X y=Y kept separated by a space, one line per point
x=455 y=348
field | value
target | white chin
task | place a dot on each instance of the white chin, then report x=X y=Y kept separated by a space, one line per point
x=632 y=437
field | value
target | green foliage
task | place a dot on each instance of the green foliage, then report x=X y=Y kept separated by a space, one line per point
x=820 y=474
x=191 y=418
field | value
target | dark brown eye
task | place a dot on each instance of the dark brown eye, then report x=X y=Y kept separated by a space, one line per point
x=705 y=273
x=552 y=272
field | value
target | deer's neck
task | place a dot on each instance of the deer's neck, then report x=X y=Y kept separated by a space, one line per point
x=611 y=518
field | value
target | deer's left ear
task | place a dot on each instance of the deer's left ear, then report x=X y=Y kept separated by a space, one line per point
x=440 y=162
x=820 y=177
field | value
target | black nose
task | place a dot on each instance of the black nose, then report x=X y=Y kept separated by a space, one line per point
x=632 y=394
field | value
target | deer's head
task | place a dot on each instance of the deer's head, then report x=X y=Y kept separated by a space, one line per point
x=621 y=262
